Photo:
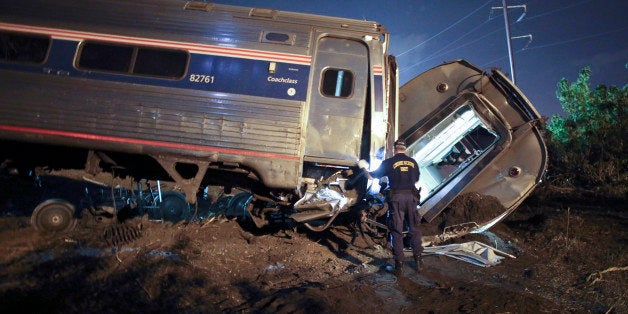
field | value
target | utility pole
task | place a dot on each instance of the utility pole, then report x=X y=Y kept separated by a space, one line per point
x=509 y=41
x=505 y=8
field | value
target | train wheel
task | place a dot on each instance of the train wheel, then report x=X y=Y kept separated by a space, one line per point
x=173 y=206
x=54 y=216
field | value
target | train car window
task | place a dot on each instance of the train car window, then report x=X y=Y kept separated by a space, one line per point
x=165 y=63
x=27 y=48
x=278 y=38
x=107 y=57
x=337 y=83
x=159 y=62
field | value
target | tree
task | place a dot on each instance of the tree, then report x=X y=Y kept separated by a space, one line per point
x=587 y=146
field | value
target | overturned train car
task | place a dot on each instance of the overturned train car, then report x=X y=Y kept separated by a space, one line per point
x=278 y=104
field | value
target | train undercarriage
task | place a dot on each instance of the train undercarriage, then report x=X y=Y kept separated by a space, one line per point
x=109 y=191
x=103 y=191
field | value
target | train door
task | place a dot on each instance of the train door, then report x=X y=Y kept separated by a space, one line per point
x=337 y=100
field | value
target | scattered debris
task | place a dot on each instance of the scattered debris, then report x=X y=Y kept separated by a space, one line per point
x=474 y=252
x=277 y=266
x=597 y=276
x=115 y=235
x=363 y=268
x=164 y=254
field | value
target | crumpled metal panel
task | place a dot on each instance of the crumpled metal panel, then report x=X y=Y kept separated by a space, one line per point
x=474 y=252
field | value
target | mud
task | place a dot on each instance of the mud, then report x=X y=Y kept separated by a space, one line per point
x=465 y=209
x=569 y=259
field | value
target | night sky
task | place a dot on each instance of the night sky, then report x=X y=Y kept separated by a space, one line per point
x=567 y=35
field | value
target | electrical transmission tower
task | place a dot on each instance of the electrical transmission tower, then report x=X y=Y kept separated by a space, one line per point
x=509 y=39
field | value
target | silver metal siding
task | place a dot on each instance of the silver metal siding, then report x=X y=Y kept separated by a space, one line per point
x=224 y=25
x=150 y=113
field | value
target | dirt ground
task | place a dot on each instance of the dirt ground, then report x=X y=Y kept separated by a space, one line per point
x=569 y=253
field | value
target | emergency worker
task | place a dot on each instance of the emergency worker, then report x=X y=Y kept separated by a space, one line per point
x=403 y=173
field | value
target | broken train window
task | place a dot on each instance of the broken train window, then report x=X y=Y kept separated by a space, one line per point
x=337 y=83
x=28 y=48
x=450 y=147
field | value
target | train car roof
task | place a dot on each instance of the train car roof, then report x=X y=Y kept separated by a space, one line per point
x=164 y=15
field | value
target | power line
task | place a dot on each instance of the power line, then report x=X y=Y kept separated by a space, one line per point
x=459 y=47
x=558 y=10
x=446 y=29
x=498 y=59
x=557 y=44
x=438 y=52
x=435 y=54
x=576 y=39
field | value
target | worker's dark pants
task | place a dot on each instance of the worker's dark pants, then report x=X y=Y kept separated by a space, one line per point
x=402 y=206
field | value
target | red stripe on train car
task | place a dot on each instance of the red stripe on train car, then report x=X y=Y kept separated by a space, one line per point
x=123 y=140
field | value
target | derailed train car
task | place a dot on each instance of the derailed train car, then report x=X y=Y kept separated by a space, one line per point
x=279 y=104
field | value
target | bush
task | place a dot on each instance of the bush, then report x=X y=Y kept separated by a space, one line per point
x=586 y=148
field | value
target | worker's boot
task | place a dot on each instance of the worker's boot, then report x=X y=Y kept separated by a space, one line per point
x=419 y=263
x=398 y=268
